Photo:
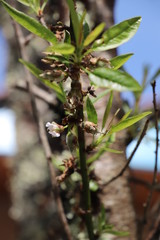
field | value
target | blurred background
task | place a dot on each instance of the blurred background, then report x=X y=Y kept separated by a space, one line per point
x=26 y=207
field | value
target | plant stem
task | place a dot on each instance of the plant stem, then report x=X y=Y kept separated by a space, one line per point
x=77 y=96
x=85 y=181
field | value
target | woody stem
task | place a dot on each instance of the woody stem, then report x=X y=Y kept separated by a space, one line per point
x=86 y=198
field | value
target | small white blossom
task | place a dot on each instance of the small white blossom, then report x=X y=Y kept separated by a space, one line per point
x=54 y=129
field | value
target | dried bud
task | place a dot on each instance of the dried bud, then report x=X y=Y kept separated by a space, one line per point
x=90 y=127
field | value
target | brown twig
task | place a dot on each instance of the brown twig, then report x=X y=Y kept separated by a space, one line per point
x=28 y=38
x=42 y=132
x=132 y=154
x=144 y=183
x=38 y=93
x=148 y=201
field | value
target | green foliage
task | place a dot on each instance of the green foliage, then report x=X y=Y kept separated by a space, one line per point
x=94 y=34
x=103 y=227
x=117 y=35
x=101 y=151
x=75 y=21
x=127 y=122
x=114 y=79
x=25 y=2
x=107 y=110
x=118 y=61
x=35 y=5
x=62 y=48
x=30 y=23
x=91 y=112
x=37 y=72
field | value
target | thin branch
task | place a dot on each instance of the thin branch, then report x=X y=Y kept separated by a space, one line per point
x=38 y=93
x=143 y=133
x=154 y=181
x=42 y=132
x=28 y=38
x=146 y=184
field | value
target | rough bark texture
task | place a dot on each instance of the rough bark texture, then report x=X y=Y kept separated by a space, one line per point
x=116 y=197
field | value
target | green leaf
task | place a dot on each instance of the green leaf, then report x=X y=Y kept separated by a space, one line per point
x=102 y=150
x=116 y=233
x=25 y=2
x=118 y=61
x=86 y=29
x=114 y=79
x=44 y=4
x=107 y=110
x=94 y=34
x=36 y=72
x=128 y=122
x=91 y=112
x=113 y=150
x=58 y=58
x=157 y=73
x=75 y=20
x=81 y=31
x=96 y=156
x=63 y=48
x=37 y=5
x=118 y=34
x=30 y=23
x=67 y=37
x=126 y=115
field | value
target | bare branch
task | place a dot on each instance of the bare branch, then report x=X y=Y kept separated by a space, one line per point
x=38 y=93
x=132 y=154
x=154 y=181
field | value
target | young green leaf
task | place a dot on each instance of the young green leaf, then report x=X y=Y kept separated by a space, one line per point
x=94 y=34
x=128 y=122
x=81 y=31
x=37 y=5
x=67 y=37
x=30 y=23
x=114 y=79
x=96 y=156
x=116 y=233
x=63 y=48
x=107 y=110
x=36 y=72
x=118 y=34
x=113 y=150
x=25 y=2
x=44 y=4
x=86 y=29
x=118 y=61
x=75 y=20
x=126 y=115
x=91 y=112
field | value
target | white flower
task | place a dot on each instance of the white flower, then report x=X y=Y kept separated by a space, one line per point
x=54 y=129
